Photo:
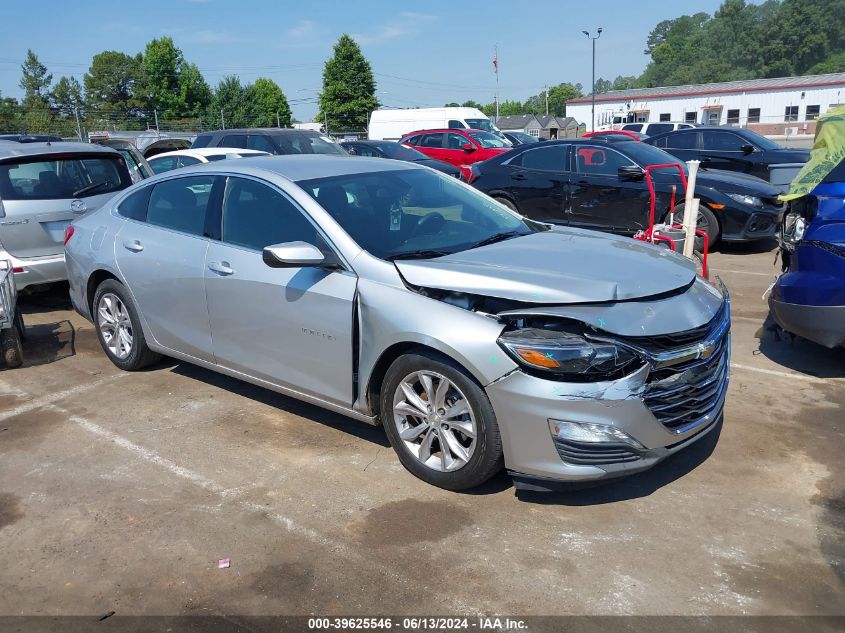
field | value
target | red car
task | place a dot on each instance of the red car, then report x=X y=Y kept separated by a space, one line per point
x=460 y=148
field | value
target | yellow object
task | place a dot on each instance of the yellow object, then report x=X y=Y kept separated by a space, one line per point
x=533 y=357
x=828 y=151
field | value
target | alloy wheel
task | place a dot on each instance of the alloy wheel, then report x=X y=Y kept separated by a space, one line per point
x=115 y=325
x=435 y=421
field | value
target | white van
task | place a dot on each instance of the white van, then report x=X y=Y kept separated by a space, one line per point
x=391 y=125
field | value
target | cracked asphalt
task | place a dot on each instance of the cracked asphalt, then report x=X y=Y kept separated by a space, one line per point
x=120 y=492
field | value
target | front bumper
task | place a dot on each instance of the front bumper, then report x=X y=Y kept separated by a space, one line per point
x=39 y=270
x=759 y=225
x=824 y=325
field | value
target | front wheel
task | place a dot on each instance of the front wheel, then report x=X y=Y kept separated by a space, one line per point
x=707 y=222
x=440 y=422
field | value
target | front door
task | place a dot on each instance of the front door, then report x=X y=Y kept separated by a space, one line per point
x=598 y=199
x=538 y=182
x=162 y=257
x=288 y=326
x=723 y=150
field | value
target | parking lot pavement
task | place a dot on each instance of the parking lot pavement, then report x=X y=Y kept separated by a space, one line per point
x=119 y=492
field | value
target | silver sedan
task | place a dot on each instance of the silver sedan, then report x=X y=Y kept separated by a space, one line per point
x=401 y=297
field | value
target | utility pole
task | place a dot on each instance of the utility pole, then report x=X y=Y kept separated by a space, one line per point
x=78 y=126
x=278 y=122
x=222 y=120
x=547 y=99
x=155 y=114
x=590 y=37
x=496 y=69
x=326 y=119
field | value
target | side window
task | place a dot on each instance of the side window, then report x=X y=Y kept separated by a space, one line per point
x=256 y=215
x=661 y=142
x=552 y=158
x=135 y=206
x=633 y=127
x=659 y=128
x=203 y=140
x=363 y=150
x=180 y=204
x=259 y=142
x=233 y=140
x=722 y=141
x=682 y=141
x=161 y=165
x=185 y=161
x=456 y=125
x=432 y=140
x=456 y=141
x=414 y=140
x=600 y=161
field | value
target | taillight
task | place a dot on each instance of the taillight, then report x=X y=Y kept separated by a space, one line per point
x=68 y=233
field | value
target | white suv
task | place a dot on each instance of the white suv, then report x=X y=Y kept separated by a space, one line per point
x=650 y=129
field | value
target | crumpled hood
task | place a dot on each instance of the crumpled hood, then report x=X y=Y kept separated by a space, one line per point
x=562 y=265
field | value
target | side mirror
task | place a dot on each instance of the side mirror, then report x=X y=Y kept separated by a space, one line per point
x=293 y=255
x=468 y=147
x=747 y=149
x=630 y=173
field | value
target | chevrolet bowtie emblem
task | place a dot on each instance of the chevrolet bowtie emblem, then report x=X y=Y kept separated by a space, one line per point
x=706 y=349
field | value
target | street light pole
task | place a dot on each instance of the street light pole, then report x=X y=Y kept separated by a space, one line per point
x=590 y=37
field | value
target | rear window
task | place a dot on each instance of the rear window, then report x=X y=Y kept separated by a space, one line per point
x=203 y=140
x=307 y=144
x=75 y=177
x=659 y=128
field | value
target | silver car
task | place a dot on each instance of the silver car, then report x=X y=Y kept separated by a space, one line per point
x=401 y=297
x=43 y=186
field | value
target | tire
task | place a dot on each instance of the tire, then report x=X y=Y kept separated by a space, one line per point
x=111 y=305
x=468 y=462
x=12 y=346
x=510 y=205
x=705 y=218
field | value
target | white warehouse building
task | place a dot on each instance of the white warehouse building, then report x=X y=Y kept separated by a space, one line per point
x=786 y=105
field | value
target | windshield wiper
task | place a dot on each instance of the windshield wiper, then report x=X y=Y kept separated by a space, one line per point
x=421 y=254
x=498 y=237
x=91 y=187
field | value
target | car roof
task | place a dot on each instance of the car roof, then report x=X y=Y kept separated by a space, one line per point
x=211 y=151
x=297 y=167
x=264 y=130
x=367 y=141
x=14 y=150
x=703 y=128
x=442 y=129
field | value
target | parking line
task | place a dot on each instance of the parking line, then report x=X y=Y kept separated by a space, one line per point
x=783 y=374
x=233 y=495
x=37 y=403
x=745 y=272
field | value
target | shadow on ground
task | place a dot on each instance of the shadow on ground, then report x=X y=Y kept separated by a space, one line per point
x=798 y=354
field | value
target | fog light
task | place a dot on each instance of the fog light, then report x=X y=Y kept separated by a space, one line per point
x=589 y=433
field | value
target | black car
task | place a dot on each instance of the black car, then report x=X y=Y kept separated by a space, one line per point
x=397 y=151
x=599 y=184
x=520 y=138
x=731 y=148
x=272 y=140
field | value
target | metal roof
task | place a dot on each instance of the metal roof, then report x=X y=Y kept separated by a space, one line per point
x=747 y=85
x=514 y=121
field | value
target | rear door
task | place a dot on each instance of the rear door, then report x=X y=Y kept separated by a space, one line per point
x=598 y=199
x=39 y=197
x=433 y=145
x=162 y=258
x=684 y=145
x=538 y=182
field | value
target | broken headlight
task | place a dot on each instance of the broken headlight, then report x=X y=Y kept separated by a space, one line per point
x=568 y=356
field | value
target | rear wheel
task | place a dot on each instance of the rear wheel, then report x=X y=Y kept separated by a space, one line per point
x=12 y=346
x=119 y=327
x=707 y=222
x=440 y=422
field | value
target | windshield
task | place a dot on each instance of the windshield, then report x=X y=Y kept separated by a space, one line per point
x=308 y=144
x=401 y=152
x=480 y=124
x=646 y=154
x=79 y=177
x=402 y=212
x=488 y=140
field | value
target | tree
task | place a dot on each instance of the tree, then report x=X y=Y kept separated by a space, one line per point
x=162 y=66
x=232 y=102
x=270 y=104
x=113 y=83
x=348 y=96
x=9 y=114
x=67 y=96
x=194 y=93
x=452 y=105
x=471 y=104
x=35 y=82
x=603 y=85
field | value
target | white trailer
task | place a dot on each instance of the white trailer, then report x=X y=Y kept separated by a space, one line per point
x=391 y=125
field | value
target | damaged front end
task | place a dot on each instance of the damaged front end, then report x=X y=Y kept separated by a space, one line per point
x=808 y=299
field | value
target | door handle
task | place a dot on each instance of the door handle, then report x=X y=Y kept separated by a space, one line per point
x=519 y=177
x=133 y=245
x=221 y=268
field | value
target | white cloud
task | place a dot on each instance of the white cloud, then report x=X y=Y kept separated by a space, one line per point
x=405 y=24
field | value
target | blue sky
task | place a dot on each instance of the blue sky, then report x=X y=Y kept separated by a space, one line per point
x=423 y=53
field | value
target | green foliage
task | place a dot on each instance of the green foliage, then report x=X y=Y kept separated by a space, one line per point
x=67 y=96
x=471 y=104
x=114 y=83
x=745 y=41
x=35 y=82
x=269 y=103
x=194 y=93
x=348 y=94
x=452 y=105
x=162 y=66
x=233 y=100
